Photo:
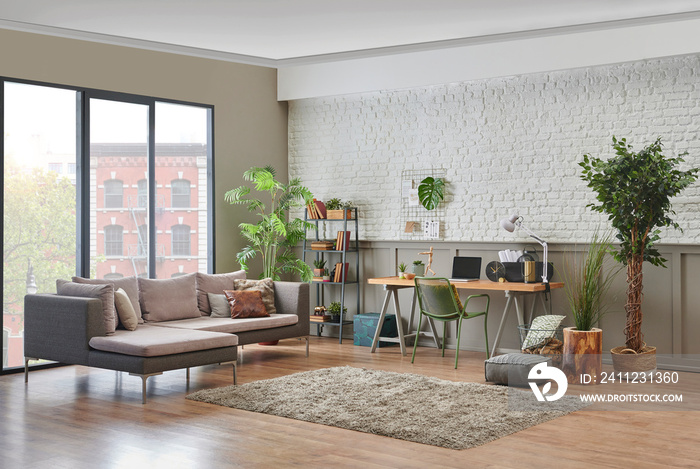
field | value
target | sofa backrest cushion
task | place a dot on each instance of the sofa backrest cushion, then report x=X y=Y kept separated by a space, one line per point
x=129 y=284
x=168 y=299
x=214 y=283
x=265 y=286
x=126 y=313
x=105 y=292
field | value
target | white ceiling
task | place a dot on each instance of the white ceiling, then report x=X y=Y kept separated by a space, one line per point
x=275 y=32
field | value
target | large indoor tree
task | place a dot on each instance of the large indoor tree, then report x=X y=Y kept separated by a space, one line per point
x=634 y=189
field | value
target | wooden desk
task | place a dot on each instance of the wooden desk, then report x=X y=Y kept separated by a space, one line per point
x=514 y=292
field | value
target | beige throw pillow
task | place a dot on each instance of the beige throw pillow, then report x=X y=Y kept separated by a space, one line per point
x=214 y=283
x=127 y=315
x=168 y=299
x=265 y=286
x=104 y=292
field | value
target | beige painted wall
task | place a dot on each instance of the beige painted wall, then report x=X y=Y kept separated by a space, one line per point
x=250 y=125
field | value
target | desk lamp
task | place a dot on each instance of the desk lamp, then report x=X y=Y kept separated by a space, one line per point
x=516 y=221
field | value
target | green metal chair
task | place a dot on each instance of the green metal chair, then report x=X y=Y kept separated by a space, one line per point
x=438 y=299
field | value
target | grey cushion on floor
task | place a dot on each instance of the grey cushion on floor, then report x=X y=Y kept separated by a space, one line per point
x=512 y=368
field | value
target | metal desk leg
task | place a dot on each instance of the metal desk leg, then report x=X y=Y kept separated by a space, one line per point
x=399 y=324
x=503 y=321
x=382 y=315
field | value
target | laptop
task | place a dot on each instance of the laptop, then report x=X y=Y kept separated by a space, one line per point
x=466 y=269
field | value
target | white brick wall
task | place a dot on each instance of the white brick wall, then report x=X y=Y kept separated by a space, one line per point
x=508 y=144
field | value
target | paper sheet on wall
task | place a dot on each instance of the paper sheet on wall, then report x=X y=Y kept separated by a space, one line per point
x=413 y=200
x=406 y=187
x=431 y=229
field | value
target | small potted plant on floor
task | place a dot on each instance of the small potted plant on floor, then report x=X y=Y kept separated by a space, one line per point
x=587 y=280
x=334 y=310
x=419 y=268
x=402 y=270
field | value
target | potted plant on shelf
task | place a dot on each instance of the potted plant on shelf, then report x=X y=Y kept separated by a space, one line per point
x=402 y=270
x=336 y=209
x=634 y=189
x=274 y=235
x=319 y=267
x=334 y=311
x=419 y=268
x=586 y=283
x=326 y=275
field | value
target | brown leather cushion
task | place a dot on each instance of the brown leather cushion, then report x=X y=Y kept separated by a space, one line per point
x=246 y=303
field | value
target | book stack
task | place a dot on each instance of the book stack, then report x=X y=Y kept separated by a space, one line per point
x=342 y=241
x=340 y=272
x=320 y=318
x=316 y=210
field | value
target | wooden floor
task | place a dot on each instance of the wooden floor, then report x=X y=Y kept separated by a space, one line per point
x=75 y=417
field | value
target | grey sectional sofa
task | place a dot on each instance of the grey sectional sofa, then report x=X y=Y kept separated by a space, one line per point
x=78 y=330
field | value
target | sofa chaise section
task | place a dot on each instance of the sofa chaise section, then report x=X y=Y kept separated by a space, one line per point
x=61 y=328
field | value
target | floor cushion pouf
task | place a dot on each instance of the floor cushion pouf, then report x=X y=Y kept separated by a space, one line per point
x=511 y=368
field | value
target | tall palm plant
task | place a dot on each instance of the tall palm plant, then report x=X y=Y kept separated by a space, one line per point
x=273 y=236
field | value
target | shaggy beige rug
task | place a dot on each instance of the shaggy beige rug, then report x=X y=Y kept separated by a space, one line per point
x=398 y=405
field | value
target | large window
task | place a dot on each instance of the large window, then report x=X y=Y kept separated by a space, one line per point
x=39 y=206
x=86 y=173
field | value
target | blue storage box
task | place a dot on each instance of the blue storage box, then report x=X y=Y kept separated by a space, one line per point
x=365 y=325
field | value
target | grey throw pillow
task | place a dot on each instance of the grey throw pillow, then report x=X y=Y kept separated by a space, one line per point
x=219 y=305
x=266 y=287
x=104 y=292
x=168 y=299
x=214 y=283
x=129 y=284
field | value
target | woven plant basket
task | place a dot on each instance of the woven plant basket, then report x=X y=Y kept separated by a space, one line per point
x=626 y=360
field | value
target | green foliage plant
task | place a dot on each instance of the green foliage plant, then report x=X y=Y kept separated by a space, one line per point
x=402 y=267
x=634 y=189
x=431 y=191
x=418 y=262
x=334 y=204
x=274 y=236
x=587 y=280
x=320 y=264
x=334 y=309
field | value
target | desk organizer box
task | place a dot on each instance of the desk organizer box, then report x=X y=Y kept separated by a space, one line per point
x=365 y=325
x=514 y=271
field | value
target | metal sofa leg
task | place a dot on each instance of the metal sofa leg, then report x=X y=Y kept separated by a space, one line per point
x=26 y=368
x=307 y=344
x=233 y=364
x=143 y=383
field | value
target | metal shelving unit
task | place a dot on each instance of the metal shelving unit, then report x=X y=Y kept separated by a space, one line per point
x=352 y=249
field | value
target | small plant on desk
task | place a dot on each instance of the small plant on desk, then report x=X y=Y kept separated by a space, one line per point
x=402 y=270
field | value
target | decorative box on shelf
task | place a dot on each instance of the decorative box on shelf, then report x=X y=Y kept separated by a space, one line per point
x=339 y=214
x=322 y=245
